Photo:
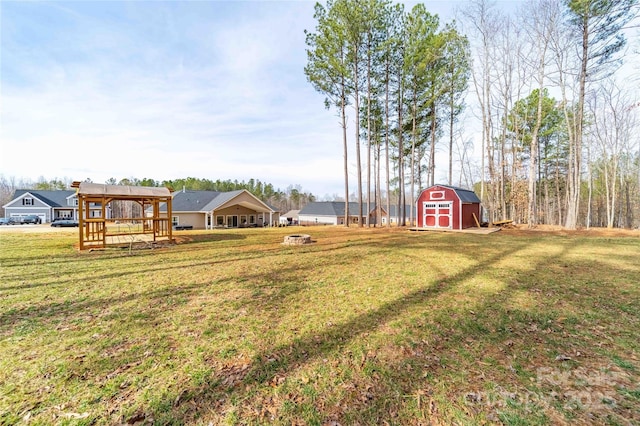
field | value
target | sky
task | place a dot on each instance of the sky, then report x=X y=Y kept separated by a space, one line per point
x=167 y=90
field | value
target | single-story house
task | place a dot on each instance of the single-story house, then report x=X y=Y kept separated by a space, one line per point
x=47 y=205
x=213 y=209
x=394 y=217
x=332 y=213
x=448 y=207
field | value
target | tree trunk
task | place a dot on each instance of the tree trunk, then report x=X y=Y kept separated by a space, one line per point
x=401 y=192
x=575 y=160
x=343 y=116
x=356 y=94
x=451 y=121
x=432 y=147
x=386 y=142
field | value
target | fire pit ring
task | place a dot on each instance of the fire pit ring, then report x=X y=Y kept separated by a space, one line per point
x=295 y=240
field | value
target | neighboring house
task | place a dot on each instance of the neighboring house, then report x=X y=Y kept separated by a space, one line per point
x=198 y=209
x=394 y=215
x=327 y=213
x=47 y=205
x=332 y=213
x=213 y=209
x=289 y=218
x=448 y=207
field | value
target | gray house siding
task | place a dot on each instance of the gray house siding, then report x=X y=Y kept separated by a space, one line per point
x=48 y=205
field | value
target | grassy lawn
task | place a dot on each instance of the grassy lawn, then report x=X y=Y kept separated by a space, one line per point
x=362 y=327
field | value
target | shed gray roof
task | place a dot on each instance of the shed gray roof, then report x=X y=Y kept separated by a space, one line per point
x=466 y=195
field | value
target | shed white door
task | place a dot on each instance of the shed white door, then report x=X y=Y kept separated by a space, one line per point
x=437 y=215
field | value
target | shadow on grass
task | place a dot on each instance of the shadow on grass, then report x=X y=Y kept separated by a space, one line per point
x=100 y=267
x=73 y=255
x=312 y=346
x=490 y=324
x=194 y=237
x=285 y=279
x=281 y=359
x=147 y=261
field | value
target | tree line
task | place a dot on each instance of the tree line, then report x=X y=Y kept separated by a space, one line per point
x=402 y=74
x=291 y=198
x=558 y=122
x=557 y=126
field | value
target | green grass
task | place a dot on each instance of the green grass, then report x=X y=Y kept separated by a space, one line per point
x=360 y=327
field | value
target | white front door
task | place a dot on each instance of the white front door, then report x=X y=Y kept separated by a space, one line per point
x=437 y=214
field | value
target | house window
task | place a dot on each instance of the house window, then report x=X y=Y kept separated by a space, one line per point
x=252 y=219
x=220 y=220
x=61 y=215
x=174 y=221
x=27 y=202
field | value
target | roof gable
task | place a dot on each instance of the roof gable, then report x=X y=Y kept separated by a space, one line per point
x=206 y=201
x=222 y=198
x=192 y=201
x=55 y=198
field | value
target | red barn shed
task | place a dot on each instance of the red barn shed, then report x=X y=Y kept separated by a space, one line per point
x=447 y=207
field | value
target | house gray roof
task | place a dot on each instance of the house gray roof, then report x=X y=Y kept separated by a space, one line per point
x=327 y=208
x=193 y=201
x=292 y=214
x=56 y=198
x=407 y=210
x=203 y=201
x=222 y=198
x=336 y=208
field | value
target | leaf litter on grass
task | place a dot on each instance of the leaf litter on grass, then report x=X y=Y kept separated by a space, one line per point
x=361 y=327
